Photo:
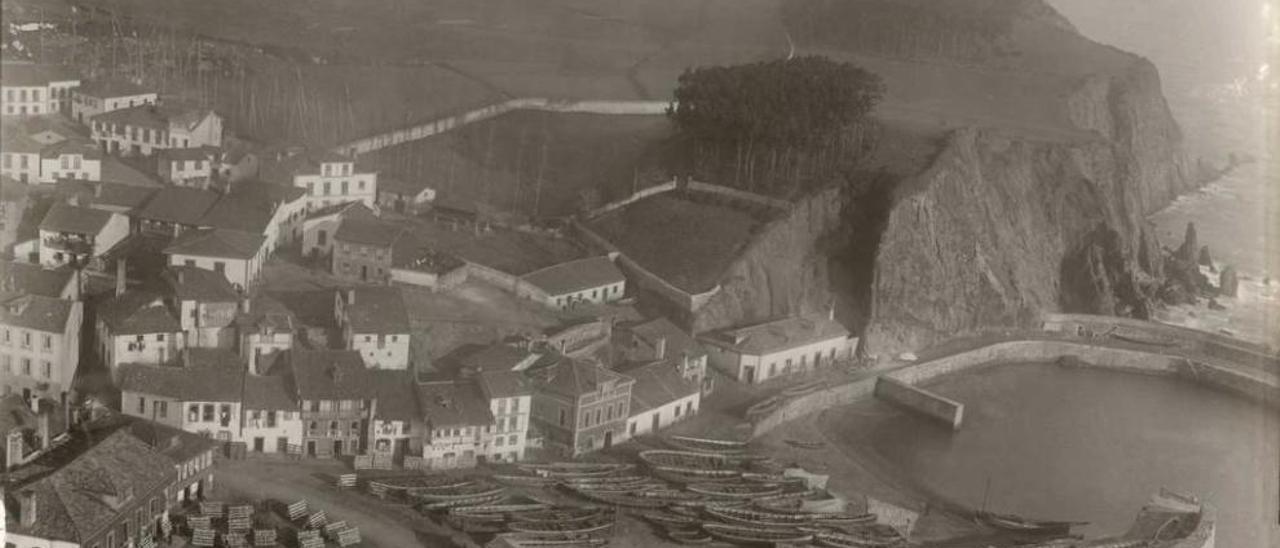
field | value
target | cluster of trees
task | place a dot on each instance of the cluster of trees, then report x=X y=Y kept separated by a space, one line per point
x=763 y=125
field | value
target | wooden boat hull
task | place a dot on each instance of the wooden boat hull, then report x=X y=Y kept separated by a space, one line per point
x=447 y=495
x=706 y=445
x=806 y=444
x=523 y=539
x=569 y=529
x=447 y=504
x=565 y=515
x=616 y=499
x=664 y=519
x=841 y=540
x=690 y=460
x=498 y=509
x=525 y=481
x=758 y=518
x=754 y=536
x=690 y=537
x=736 y=490
x=1021 y=525
x=576 y=469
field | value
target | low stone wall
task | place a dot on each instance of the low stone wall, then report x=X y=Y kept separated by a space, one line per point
x=740 y=195
x=1211 y=344
x=637 y=196
x=795 y=408
x=643 y=277
x=946 y=410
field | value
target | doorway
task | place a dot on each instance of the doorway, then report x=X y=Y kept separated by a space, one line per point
x=311 y=448
x=657 y=422
x=364 y=273
x=258 y=445
x=337 y=447
x=608 y=439
x=749 y=374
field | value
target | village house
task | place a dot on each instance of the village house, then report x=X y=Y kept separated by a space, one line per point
x=30 y=89
x=74 y=235
x=272 y=417
x=70 y=159
x=110 y=486
x=144 y=129
x=190 y=167
x=362 y=249
x=403 y=196
x=397 y=420
x=20 y=156
x=581 y=407
x=265 y=328
x=455 y=413
x=757 y=353
x=273 y=211
x=201 y=398
x=510 y=401
x=98 y=96
x=106 y=196
x=28 y=429
x=136 y=326
x=206 y=306
x=375 y=323
x=659 y=339
x=238 y=256
x=39 y=344
x=57 y=283
x=328 y=178
x=15 y=197
x=336 y=395
x=590 y=280
x=662 y=395
x=320 y=225
x=172 y=210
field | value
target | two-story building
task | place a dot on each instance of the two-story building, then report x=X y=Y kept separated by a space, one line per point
x=238 y=256
x=264 y=329
x=397 y=425
x=31 y=89
x=137 y=326
x=203 y=400
x=144 y=129
x=74 y=235
x=319 y=227
x=105 y=95
x=20 y=156
x=272 y=417
x=362 y=249
x=510 y=398
x=757 y=353
x=190 y=167
x=375 y=323
x=659 y=339
x=456 y=413
x=590 y=280
x=327 y=177
x=171 y=210
x=70 y=159
x=336 y=394
x=662 y=395
x=273 y=211
x=580 y=406
x=39 y=344
x=59 y=283
x=206 y=306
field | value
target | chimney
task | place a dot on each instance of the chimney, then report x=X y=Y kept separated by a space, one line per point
x=660 y=349
x=74 y=199
x=120 y=276
x=27 y=508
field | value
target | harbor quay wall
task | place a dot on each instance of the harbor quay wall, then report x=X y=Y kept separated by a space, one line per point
x=1210 y=344
x=932 y=405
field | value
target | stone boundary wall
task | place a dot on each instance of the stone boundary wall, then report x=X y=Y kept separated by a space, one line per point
x=782 y=205
x=441 y=125
x=644 y=277
x=633 y=198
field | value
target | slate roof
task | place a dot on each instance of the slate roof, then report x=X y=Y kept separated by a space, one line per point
x=34 y=279
x=198 y=284
x=240 y=213
x=453 y=403
x=503 y=384
x=104 y=195
x=111 y=87
x=75 y=219
x=17 y=141
x=575 y=276
x=70 y=500
x=175 y=204
x=115 y=171
x=137 y=313
x=83 y=147
x=679 y=342
x=574 y=378
x=269 y=392
x=312 y=308
x=266 y=312
x=30 y=75
x=779 y=335
x=658 y=383
x=346 y=209
x=150 y=116
x=47 y=314
x=496 y=357
x=216 y=384
x=397 y=398
x=377 y=309
x=217 y=242
x=359 y=230
x=330 y=374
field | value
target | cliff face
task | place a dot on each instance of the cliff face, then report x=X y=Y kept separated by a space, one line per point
x=1002 y=228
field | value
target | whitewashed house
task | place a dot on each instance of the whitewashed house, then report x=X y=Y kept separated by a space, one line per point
x=237 y=255
x=757 y=353
x=145 y=129
x=590 y=280
x=70 y=159
x=201 y=398
x=137 y=327
x=31 y=89
x=328 y=178
x=74 y=235
x=272 y=418
x=510 y=402
x=455 y=413
x=661 y=396
x=374 y=322
x=98 y=96
x=397 y=426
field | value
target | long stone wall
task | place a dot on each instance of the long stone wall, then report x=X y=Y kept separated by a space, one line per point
x=1211 y=344
x=946 y=410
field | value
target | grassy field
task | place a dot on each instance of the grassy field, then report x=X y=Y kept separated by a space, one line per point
x=656 y=232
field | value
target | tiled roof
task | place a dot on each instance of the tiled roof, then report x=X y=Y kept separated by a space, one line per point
x=658 y=383
x=48 y=314
x=115 y=171
x=198 y=284
x=150 y=116
x=34 y=279
x=503 y=384
x=30 y=75
x=396 y=185
x=217 y=242
x=573 y=378
x=397 y=399
x=269 y=392
x=346 y=209
x=137 y=313
x=175 y=204
x=267 y=313
x=234 y=212
x=17 y=141
x=217 y=384
x=679 y=342
x=72 y=502
x=105 y=195
x=312 y=308
x=377 y=309
x=575 y=276
x=453 y=403
x=83 y=147
x=75 y=219
x=330 y=374
x=266 y=193
x=111 y=87
x=358 y=230
x=307 y=162
x=778 y=335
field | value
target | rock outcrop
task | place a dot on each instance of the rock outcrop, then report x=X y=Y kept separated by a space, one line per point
x=1228 y=282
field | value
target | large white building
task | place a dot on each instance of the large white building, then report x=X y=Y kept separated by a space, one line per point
x=74 y=235
x=39 y=344
x=70 y=159
x=144 y=129
x=29 y=89
x=510 y=400
x=662 y=395
x=757 y=353
x=137 y=326
x=328 y=178
x=99 y=96
x=456 y=414
x=592 y=280
x=238 y=256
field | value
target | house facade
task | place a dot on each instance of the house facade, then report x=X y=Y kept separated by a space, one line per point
x=74 y=235
x=455 y=413
x=206 y=306
x=99 y=96
x=336 y=396
x=397 y=426
x=272 y=417
x=137 y=327
x=70 y=159
x=189 y=167
x=238 y=256
x=319 y=226
x=662 y=396
x=200 y=400
x=362 y=249
x=581 y=407
x=757 y=353
x=590 y=280
x=510 y=399
x=328 y=178
x=660 y=339
x=375 y=323
x=31 y=89
x=145 y=129
x=39 y=344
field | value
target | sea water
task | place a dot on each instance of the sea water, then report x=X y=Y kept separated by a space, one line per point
x=1218 y=78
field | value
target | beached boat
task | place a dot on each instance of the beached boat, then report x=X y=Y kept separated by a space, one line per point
x=845 y=520
x=756 y=536
x=845 y=540
x=525 y=481
x=1009 y=522
x=441 y=505
x=620 y=499
x=595 y=525
x=686 y=475
x=688 y=460
x=667 y=519
x=567 y=514
x=802 y=389
x=760 y=518
x=478 y=523
x=803 y=444
x=669 y=495
x=576 y=469
x=736 y=490
x=706 y=445
x=690 y=537
x=548 y=540
x=764 y=406
x=469 y=490
x=499 y=509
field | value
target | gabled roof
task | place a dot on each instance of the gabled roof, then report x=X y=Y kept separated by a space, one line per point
x=574 y=378
x=116 y=171
x=311 y=308
x=498 y=357
x=307 y=162
x=217 y=242
x=657 y=384
x=397 y=399
x=575 y=276
x=105 y=88
x=48 y=314
x=34 y=279
x=330 y=374
x=191 y=283
x=679 y=341
x=188 y=153
x=377 y=309
x=182 y=205
x=149 y=116
x=107 y=195
x=269 y=392
x=213 y=384
x=779 y=335
x=503 y=384
x=75 y=219
x=137 y=313
x=267 y=313
x=83 y=147
x=396 y=185
x=17 y=141
x=453 y=403
x=359 y=230
x=236 y=212
x=30 y=74
x=345 y=209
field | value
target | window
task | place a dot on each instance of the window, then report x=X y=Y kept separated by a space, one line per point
x=597 y=416
x=142 y=405
x=26 y=339
x=513 y=439
x=324 y=169
x=499 y=442
x=394 y=338
x=677 y=410
x=355 y=425
x=333 y=425
x=271 y=419
x=220 y=267
x=208 y=412
x=64 y=161
x=609 y=414
x=344 y=187
x=26 y=366
x=325 y=189
x=315 y=406
x=562 y=417
x=193 y=413
x=160 y=409
x=586 y=418
x=35 y=95
x=160 y=337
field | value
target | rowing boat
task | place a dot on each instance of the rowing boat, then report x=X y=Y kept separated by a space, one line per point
x=758 y=517
x=689 y=537
x=845 y=540
x=803 y=444
x=846 y=520
x=560 y=515
x=526 y=481
x=498 y=509
x=667 y=519
x=763 y=406
x=1009 y=522
x=736 y=490
x=802 y=389
x=706 y=445
x=576 y=469
x=583 y=527
x=470 y=490
x=669 y=495
x=472 y=501
x=620 y=499
x=753 y=535
x=688 y=475
x=665 y=458
x=525 y=539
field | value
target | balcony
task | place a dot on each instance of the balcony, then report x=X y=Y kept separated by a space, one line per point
x=71 y=244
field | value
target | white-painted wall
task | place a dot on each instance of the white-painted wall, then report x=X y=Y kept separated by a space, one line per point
x=381 y=351
x=239 y=272
x=70 y=166
x=774 y=364
x=21 y=166
x=506 y=439
x=84 y=106
x=668 y=414
x=288 y=425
